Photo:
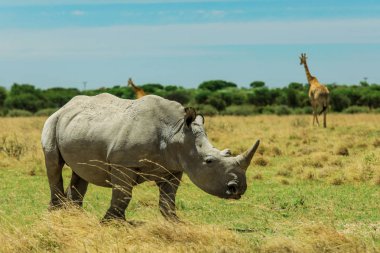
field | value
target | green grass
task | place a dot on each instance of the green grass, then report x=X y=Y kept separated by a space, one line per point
x=268 y=208
x=302 y=196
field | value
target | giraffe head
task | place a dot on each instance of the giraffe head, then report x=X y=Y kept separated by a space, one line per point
x=130 y=82
x=303 y=59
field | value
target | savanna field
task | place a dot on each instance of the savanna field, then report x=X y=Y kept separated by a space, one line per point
x=309 y=190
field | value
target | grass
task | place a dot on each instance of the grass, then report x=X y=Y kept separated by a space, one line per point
x=303 y=195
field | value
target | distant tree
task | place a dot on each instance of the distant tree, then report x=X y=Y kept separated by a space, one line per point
x=152 y=88
x=128 y=93
x=18 y=89
x=216 y=101
x=25 y=97
x=364 y=83
x=292 y=98
x=339 y=101
x=257 y=84
x=3 y=96
x=295 y=86
x=260 y=96
x=201 y=96
x=239 y=97
x=24 y=101
x=215 y=85
x=57 y=97
x=226 y=96
x=181 y=96
x=170 y=88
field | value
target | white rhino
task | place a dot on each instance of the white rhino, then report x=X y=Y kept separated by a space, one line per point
x=119 y=143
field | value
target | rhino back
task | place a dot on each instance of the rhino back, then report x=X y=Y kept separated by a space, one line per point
x=114 y=130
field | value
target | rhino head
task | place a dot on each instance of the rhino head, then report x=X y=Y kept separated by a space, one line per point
x=214 y=171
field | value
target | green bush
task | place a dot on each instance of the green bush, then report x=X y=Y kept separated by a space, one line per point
x=298 y=110
x=243 y=110
x=308 y=110
x=3 y=112
x=207 y=110
x=46 y=112
x=356 y=109
x=283 y=110
x=181 y=96
x=19 y=113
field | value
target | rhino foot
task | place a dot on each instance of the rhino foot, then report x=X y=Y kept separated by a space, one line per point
x=113 y=214
x=58 y=204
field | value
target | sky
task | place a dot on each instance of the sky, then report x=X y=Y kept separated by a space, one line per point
x=50 y=43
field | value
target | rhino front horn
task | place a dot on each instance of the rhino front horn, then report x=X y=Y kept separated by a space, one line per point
x=245 y=158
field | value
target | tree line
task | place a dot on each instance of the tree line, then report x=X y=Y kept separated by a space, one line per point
x=210 y=97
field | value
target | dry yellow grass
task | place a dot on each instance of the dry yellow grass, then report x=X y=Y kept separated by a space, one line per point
x=72 y=230
x=292 y=153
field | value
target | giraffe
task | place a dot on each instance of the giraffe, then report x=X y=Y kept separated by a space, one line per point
x=318 y=93
x=138 y=91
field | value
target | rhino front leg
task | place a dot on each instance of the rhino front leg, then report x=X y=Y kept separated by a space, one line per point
x=122 y=184
x=77 y=189
x=168 y=189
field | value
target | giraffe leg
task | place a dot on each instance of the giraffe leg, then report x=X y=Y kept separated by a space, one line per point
x=324 y=119
x=314 y=112
x=316 y=117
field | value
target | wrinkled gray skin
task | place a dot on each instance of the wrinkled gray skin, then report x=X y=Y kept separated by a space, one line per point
x=113 y=142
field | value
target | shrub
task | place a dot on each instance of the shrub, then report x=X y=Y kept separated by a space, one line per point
x=181 y=96
x=201 y=96
x=19 y=113
x=283 y=110
x=356 y=109
x=46 y=112
x=12 y=147
x=243 y=110
x=217 y=102
x=207 y=110
x=339 y=101
x=307 y=110
x=214 y=85
x=268 y=110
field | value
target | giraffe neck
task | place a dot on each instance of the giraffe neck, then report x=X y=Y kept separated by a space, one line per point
x=139 y=92
x=135 y=88
x=308 y=75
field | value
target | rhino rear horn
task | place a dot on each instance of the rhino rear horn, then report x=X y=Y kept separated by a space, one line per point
x=245 y=158
x=190 y=115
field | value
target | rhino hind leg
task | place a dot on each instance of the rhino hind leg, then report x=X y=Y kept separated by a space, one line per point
x=122 y=184
x=168 y=188
x=77 y=189
x=54 y=164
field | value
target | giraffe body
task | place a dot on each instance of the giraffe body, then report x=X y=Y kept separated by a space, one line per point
x=318 y=93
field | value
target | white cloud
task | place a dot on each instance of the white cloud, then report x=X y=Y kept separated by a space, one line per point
x=176 y=40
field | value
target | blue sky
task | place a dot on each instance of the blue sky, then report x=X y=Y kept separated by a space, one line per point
x=63 y=43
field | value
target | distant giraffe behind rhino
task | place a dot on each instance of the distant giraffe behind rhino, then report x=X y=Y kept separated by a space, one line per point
x=318 y=93
x=138 y=91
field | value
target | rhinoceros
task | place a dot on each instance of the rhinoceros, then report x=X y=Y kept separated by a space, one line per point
x=119 y=143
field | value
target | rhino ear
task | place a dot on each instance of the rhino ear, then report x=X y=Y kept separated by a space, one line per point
x=200 y=119
x=190 y=115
